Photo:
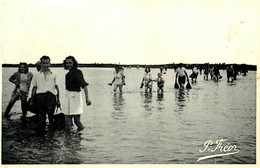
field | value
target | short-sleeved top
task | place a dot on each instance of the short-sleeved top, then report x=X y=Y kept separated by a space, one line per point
x=24 y=80
x=118 y=77
x=45 y=84
x=148 y=78
x=181 y=71
x=195 y=70
x=75 y=80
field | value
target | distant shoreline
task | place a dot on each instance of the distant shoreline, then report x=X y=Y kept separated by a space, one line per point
x=169 y=66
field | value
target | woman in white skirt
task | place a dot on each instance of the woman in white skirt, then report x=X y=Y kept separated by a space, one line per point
x=73 y=100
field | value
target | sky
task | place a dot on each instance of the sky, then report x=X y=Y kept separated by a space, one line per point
x=130 y=31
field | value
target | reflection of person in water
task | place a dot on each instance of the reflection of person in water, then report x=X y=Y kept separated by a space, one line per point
x=118 y=101
x=118 y=104
x=181 y=98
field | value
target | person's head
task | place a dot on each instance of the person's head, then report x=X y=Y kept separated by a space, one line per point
x=117 y=68
x=159 y=75
x=147 y=69
x=181 y=65
x=70 y=63
x=23 y=67
x=45 y=62
x=38 y=65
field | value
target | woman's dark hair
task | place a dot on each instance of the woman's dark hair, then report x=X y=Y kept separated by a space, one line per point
x=75 y=63
x=149 y=69
x=26 y=69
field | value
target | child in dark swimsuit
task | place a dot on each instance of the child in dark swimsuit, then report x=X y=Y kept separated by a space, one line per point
x=160 y=83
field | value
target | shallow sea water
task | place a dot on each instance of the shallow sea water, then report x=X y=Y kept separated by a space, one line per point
x=137 y=128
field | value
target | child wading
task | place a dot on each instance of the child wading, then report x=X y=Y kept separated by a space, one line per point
x=160 y=83
x=147 y=80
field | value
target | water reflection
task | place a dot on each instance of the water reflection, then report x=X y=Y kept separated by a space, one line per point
x=160 y=100
x=119 y=105
x=160 y=97
x=181 y=96
x=147 y=100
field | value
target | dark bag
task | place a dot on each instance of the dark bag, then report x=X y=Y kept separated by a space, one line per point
x=29 y=105
x=188 y=86
x=176 y=86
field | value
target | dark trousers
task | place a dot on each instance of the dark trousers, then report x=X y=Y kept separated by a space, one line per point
x=16 y=95
x=45 y=103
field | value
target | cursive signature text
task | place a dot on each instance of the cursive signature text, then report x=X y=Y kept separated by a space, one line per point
x=221 y=146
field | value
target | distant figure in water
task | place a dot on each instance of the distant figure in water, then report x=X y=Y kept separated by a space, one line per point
x=22 y=80
x=206 y=72
x=160 y=83
x=147 y=80
x=230 y=73
x=162 y=70
x=74 y=82
x=119 y=78
x=216 y=74
x=194 y=74
x=181 y=76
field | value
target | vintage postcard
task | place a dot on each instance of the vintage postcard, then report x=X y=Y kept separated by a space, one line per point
x=135 y=83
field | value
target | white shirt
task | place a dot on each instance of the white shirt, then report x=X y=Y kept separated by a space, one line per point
x=45 y=84
x=24 y=82
x=118 y=77
x=148 y=77
x=181 y=71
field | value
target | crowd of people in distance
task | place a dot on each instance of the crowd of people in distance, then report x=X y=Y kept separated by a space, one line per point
x=45 y=94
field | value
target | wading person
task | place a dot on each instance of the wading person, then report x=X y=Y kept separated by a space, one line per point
x=45 y=92
x=216 y=74
x=206 y=72
x=119 y=79
x=147 y=80
x=160 y=83
x=181 y=76
x=194 y=74
x=74 y=82
x=22 y=80
x=230 y=73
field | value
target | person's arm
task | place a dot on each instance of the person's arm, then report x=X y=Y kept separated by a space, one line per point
x=112 y=82
x=58 y=96
x=14 y=79
x=33 y=94
x=176 y=77
x=187 y=76
x=123 y=78
x=88 y=102
x=142 y=83
x=30 y=79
